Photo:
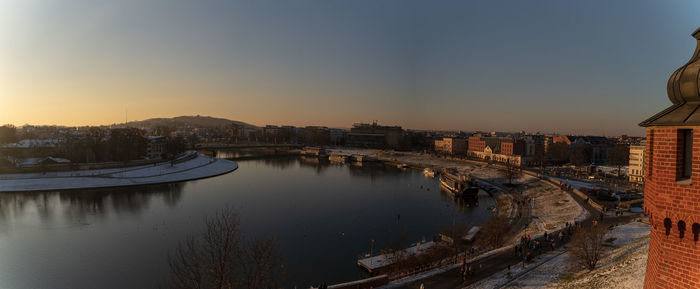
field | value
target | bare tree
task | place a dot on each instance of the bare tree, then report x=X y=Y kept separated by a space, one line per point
x=187 y=266
x=558 y=152
x=619 y=156
x=193 y=140
x=587 y=246
x=261 y=264
x=511 y=171
x=220 y=258
x=8 y=134
x=454 y=234
x=539 y=158
x=581 y=154
x=493 y=233
x=395 y=251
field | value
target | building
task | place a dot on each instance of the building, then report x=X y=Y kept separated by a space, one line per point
x=338 y=136
x=513 y=146
x=636 y=169
x=365 y=135
x=563 y=139
x=155 y=147
x=315 y=135
x=451 y=145
x=599 y=147
x=497 y=149
x=534 y=145
x=272 y=133
x=476 y=144
x=672 y=176
x=28 y=148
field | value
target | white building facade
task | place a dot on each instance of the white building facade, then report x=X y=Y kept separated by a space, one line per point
x=636 y=170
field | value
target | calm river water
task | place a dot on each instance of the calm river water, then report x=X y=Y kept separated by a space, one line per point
x=324 y=215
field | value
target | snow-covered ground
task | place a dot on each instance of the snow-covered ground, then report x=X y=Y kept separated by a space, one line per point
x=613 y=169
x=552 y=209
x=623 y=266
x=196 y=168
x=544 y=267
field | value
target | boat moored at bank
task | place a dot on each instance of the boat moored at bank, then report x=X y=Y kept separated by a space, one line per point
x=458 y=186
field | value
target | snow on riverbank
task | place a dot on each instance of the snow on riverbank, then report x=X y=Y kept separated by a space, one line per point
x=196 y=168
x=623 y=266
x=552 y=209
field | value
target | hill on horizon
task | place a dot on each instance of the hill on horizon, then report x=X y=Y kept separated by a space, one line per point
x=194 y=121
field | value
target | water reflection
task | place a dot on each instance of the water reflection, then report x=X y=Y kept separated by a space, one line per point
x=319 y=165
x=78 y=204
x=280 y=162
x=323 y=213
x=464 y=205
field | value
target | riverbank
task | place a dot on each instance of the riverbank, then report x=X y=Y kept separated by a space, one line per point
x=191 y=168
x=534 y=206
x=622 y=265
x=550 y=208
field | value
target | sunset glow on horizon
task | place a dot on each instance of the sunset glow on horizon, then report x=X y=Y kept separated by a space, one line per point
x=550 y=66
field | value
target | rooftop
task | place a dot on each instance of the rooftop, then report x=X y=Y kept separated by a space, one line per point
x=684 y=92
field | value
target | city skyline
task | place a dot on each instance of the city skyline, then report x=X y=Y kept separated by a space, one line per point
x=343 y=127
x=549 y=67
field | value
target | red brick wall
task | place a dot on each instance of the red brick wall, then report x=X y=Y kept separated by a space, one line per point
x=506 y=148
x=674 y=262
x=475 y=144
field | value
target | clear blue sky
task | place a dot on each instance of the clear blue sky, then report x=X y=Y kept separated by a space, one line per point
x=590 y=67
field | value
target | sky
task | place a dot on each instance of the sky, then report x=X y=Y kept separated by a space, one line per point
x=582 y=67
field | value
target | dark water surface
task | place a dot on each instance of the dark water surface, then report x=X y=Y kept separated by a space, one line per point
x=324 y=215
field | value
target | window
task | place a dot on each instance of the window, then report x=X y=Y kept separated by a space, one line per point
x=686 y=150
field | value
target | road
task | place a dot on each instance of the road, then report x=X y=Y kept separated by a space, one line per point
x=498 y=262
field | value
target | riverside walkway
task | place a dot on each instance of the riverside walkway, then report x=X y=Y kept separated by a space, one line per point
x=488 y=266
x=191 y=168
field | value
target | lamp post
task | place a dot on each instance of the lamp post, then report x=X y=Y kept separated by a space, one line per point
x=371 y=249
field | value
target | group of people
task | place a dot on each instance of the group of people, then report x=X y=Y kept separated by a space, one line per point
x=522 y=203
x=529 y=245
x=466 y=270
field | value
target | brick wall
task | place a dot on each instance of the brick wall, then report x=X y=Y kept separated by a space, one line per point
x=507 y=148
x=673 y=207
x=476 y=144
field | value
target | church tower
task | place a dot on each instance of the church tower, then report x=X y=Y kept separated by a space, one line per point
x=672 y=182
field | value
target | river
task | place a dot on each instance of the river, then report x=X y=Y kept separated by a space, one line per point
x=324 y=216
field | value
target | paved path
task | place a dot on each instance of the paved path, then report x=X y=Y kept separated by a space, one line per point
x=498 y=262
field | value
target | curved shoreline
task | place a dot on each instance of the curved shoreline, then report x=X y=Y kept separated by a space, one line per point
x=200 y=167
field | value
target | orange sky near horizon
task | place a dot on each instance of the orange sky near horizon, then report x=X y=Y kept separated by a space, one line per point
x=568 y=68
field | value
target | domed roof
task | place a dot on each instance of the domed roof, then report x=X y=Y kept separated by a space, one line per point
x=684 y=92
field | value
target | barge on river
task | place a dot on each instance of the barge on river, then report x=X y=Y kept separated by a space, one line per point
x=459 y=186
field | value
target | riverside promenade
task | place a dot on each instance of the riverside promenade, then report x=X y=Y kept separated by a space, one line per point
x=189 y=167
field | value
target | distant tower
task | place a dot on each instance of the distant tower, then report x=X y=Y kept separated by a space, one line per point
x=672 y=185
